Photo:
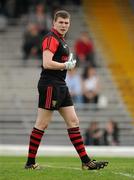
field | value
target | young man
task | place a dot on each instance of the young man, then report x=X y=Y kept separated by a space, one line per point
x=54 y=94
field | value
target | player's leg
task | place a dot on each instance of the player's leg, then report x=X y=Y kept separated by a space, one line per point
x=71 y=119
x=43 y=119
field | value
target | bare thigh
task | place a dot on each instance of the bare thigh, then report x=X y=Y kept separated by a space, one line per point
x=69 y=115
x=43 y=118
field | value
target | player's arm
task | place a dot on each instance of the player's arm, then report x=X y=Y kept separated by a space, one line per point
x=48 y=63
x=50 y=45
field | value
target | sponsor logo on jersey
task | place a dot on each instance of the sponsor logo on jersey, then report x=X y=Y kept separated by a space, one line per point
x=65 y=46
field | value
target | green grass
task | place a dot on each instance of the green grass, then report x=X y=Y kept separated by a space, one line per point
x=65 y=168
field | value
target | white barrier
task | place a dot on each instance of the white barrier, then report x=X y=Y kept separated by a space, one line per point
x=112 y=151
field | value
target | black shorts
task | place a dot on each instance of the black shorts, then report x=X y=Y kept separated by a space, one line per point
x=53 y=97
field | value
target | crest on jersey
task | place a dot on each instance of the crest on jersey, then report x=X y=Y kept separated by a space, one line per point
x=54 y=103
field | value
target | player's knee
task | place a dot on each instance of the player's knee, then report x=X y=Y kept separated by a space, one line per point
x=41 y=125
x=74 y=122
x=45 y=126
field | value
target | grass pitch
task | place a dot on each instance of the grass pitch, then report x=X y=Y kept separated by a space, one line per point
x=65 y=168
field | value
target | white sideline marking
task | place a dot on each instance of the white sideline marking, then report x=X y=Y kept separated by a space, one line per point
x=95 y=171
x=124 y=174
x=78 y=169
x=62 y=167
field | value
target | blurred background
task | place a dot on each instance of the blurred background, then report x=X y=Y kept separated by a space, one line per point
x=101 y=37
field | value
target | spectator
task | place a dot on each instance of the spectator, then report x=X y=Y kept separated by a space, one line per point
x=84 y=50
x=41 y=19
x=93 y=135
x=31 y=45
x=91 y=85
x=111 y=133
x=15 y=8
x=74 y=83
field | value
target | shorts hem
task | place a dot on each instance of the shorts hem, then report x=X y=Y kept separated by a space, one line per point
x=47 y=108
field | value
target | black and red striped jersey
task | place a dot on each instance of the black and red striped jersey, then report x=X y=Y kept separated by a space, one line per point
x=54 y=42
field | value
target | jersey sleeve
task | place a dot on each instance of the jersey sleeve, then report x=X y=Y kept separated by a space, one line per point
x=50 y=43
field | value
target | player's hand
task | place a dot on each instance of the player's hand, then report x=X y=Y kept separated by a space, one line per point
x=71 y=63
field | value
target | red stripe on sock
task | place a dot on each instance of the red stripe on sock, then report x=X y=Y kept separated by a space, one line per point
x=30 y=155
x=77 y=141
x=38 y=131
x=33 y=148
x=38 y=136
x=73 y=129
x=35 y=142
x=82 y=154
x=79 y=147
x=73 y=135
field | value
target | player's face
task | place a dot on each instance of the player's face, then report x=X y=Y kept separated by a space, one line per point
x=62 y=25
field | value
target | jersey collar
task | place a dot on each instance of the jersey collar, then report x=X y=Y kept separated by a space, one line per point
x=57 y=33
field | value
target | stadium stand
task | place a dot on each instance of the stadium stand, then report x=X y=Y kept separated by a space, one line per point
x=18 y=94
x=112 y=23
